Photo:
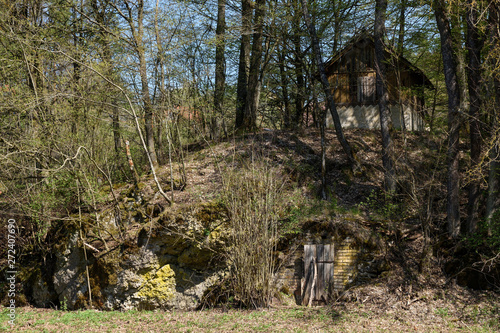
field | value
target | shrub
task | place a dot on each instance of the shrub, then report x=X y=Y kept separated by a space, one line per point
x=252 y=193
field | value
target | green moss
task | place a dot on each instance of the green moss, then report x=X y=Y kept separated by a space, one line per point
x=195 y=257
x=97 y=296
x=81 y=301
x=211 y=212
x=182 y=277
x=159 y=284
x=105 y=269
x=105 y=189
x=150 y=210
x=128 y=191
x=218 y=236
x=139 y=216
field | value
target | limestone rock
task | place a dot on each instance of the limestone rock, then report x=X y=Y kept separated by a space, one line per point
x=167 y=263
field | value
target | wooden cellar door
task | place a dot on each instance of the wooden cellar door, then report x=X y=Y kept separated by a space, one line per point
x=318 y=273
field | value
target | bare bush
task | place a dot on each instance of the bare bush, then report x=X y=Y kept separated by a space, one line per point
x=252 y=193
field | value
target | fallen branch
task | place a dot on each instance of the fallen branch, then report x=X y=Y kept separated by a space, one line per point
x=91 y=247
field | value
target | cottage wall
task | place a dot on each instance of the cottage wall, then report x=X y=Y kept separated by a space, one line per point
x=359 y=88
x=353 y=81
x=368 y=116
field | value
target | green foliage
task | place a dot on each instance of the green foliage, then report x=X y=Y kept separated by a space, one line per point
x=297 y=210
x=381 y=206
x=442 y=312
x=64 y=304
x=487 y=235
x=300 y=211
x=55 y=194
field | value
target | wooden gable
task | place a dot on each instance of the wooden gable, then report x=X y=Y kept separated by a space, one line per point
x=352 y=76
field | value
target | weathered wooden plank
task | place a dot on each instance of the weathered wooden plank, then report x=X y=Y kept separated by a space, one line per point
x=328 y=269
x=309 y=254
x=314 y=281
x=325 y=258
x=320 y=286
x=318 y=260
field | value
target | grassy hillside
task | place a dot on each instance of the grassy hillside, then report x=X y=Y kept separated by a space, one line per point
x=424 y=270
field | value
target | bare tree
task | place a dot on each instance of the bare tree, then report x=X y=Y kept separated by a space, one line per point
x=327 y=90
x=254 y=86
x=493 y=201
x=450 y=74
x=134 y=16
x=244 y=61
x=474 y=46
x=383 y=98
x=220 y=66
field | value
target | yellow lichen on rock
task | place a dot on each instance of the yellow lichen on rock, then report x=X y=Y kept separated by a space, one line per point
x=158 y=284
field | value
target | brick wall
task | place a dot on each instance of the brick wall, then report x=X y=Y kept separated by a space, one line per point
x=345 y=263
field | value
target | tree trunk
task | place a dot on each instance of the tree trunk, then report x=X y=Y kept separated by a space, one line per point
x=159 y=82
x=220 y=67
x=253 y=92
x=146 y=99
x=493 y=202
x=284 y=87
x=76 y=30
x=299 y=68
x=327 y=90
x=452 y=88
x=100 y=12
x=402 y=24
x=458 y=32
x=474 y=47
x=244 y=62
x=383 y=98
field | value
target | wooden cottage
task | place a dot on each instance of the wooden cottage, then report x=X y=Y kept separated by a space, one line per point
x=352 y=77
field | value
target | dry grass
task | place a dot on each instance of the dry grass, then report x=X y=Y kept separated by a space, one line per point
x=451 y=311
x=299 y=155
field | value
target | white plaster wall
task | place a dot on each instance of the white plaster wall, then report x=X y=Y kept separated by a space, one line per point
x=367 y=116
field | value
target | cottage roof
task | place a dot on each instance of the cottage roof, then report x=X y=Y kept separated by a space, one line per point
x=366 y=39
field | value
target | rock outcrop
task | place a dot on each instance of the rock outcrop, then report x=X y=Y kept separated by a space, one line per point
x=134 y=255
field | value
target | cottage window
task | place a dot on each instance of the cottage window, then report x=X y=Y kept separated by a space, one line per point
x=366 y=89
